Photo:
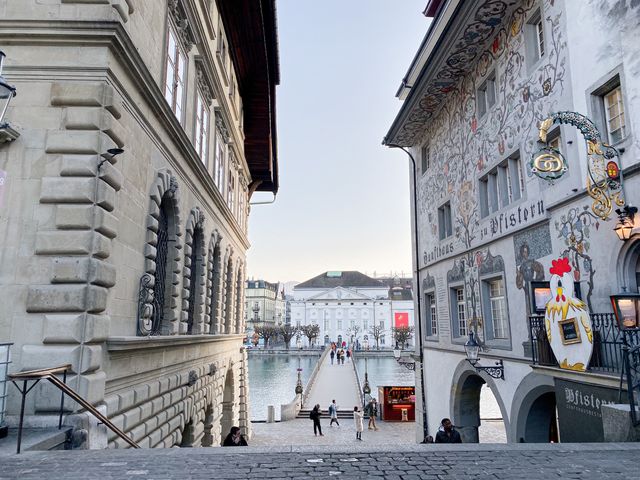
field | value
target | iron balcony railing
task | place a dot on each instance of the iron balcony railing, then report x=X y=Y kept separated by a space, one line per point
x=608 y=340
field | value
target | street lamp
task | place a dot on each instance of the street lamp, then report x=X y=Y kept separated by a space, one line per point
x=298 y=342
x=299 y=388
x=625 y=223
x=626 y=307
x=366 y=389
x=472 y=349
x=7 y=92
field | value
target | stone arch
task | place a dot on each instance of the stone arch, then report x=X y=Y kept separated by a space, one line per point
x=239 y=294
x=228 y=291
x=214 y=284
x=628 y=265
x=465 y=401
x=534 y=410
x=158 y=314
x=227 y=417
x=194 y=274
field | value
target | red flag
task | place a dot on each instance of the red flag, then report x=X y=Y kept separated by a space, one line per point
x=401 y=319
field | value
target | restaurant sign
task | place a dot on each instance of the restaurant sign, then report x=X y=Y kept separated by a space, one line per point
x=579 y=410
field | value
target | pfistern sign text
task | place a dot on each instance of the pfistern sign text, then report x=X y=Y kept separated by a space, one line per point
x=579 y=410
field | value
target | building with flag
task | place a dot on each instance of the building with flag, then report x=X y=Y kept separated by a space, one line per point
x=354 y=308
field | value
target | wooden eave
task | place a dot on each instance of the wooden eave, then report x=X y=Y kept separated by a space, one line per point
x=251 y=30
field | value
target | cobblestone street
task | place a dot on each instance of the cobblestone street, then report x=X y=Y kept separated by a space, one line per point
x=462 y=462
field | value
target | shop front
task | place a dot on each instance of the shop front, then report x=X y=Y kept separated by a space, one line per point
x=397 y=404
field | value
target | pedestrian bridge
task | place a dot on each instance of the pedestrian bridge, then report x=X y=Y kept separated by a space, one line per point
x=334 y=382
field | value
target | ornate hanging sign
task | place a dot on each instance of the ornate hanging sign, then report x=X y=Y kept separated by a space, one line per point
x=604 y=180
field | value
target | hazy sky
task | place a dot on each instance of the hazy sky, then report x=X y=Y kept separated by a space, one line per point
x=343 y=202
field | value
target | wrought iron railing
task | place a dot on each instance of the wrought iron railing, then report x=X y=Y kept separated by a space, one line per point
x=608 y=340
x=632 y=368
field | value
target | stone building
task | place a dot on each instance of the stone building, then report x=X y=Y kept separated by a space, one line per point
x=348 y=306
x=264 y=304
x=130 y=266
x=485 y=78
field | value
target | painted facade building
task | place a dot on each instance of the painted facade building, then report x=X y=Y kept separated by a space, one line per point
x=349 y=306
x=485 y=77
x=129 y=264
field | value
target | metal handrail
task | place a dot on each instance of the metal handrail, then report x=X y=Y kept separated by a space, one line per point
x=50 y=374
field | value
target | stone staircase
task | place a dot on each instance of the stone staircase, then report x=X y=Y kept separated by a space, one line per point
x=304 y=413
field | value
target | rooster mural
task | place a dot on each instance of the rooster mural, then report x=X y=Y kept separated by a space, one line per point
x=567 y=320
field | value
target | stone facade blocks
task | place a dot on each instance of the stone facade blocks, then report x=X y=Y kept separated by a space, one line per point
x=66 y=298
x=72 y=243
x=83 y=270
x=75 y=328
x=77 y=190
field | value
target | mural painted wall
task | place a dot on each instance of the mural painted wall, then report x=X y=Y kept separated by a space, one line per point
x=464 y=145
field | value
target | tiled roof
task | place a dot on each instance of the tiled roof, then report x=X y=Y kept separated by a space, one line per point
x=340 y=279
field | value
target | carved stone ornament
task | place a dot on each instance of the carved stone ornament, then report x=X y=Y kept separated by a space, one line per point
x=173 y=185
x=204 y=86
x=221 y=125
x=177 y=12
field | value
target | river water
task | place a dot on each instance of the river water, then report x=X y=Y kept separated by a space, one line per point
x=272 y=381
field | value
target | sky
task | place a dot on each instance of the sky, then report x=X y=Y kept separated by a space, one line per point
x=343 y=202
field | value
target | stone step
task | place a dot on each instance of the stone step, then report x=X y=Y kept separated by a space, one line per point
x=304 y=413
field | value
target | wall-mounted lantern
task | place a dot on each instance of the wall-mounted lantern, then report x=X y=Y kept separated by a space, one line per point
x=626 y=307
x=625 y=223
x=411 y=365
x=472 y=349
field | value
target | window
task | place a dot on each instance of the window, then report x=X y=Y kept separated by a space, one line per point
x=202 y=128
x=326 y=324
x=381 y=324
x=486 y=95
x=445 y=227
x=365 y=324
x=176 y=66
x=432 y=319
x=231 y=191
x=424 y=157
x=458 y=311
x=534 y=32
x=614 y=115
x=497 y=308
x=501 y=186
x=220 y=162
x=554 y=139
x=339 y=324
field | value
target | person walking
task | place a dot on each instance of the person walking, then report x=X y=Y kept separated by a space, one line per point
x=342 y=358
x=372 y=411
x=446 y=433
x=358 y=418
x=333 y=412
x=234 y=439
x=332 y=355
x=348 y=355
x=315 y=416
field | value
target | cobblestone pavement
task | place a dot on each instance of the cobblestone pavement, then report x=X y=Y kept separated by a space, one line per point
x=461 y=462
x=300 y=432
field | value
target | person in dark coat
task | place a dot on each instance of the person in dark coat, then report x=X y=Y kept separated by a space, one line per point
x=447 y=434
x=234 y=439
x=315 y=416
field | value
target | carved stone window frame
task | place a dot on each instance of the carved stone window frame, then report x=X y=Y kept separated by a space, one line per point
x=195 y=226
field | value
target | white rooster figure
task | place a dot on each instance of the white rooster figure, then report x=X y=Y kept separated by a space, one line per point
x=567 y=320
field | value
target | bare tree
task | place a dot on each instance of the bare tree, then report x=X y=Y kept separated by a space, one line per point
x=376 y=331
x=287 y=332
x=402 y=335
x=310 y=331
x=266 y=331
x=353 y=331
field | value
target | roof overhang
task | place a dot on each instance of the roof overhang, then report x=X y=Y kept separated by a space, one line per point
x=251 y=28
x=458 y=34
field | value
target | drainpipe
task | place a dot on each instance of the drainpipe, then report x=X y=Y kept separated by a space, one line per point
x=416 y=273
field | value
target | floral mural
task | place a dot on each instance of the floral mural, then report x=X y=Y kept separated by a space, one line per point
x=464 y=145
x=574 y=228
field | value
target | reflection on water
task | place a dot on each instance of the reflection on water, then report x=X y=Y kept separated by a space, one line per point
x=272 y=381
